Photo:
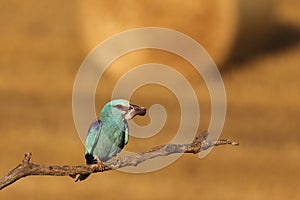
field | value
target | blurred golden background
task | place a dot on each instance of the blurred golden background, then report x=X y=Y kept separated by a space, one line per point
x=256 y=46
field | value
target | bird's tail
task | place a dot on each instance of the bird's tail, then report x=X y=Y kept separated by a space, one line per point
x=89 y=160
x=82 y=177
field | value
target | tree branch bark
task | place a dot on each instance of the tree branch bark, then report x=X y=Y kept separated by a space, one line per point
x=26 y=168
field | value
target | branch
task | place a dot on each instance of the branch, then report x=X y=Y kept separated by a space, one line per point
x=28 y=169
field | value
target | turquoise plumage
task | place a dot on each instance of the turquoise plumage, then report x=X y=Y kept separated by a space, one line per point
x=108 y=136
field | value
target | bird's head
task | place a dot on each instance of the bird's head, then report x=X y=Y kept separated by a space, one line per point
x=121 y=108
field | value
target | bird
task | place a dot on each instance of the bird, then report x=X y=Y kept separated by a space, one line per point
x=108 y=135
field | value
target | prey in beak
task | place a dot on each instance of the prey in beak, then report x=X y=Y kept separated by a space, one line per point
x=134 y=110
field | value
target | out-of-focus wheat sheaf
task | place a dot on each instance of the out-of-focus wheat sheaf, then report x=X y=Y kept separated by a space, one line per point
x=256 y=45
x=216 y=25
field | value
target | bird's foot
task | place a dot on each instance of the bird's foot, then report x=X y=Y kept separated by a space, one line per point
x=100 y=164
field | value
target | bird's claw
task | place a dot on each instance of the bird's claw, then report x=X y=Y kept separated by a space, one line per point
x=100 y=164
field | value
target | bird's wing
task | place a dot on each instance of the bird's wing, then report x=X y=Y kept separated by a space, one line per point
x=93 y=136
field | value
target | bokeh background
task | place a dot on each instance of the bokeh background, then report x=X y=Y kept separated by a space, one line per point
x=256 y=46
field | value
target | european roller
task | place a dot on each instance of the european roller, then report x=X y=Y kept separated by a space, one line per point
x=108 y=135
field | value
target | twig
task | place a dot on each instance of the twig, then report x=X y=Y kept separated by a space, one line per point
x=28 y=169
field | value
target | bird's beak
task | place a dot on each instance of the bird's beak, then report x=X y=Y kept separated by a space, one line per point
x=138 y=110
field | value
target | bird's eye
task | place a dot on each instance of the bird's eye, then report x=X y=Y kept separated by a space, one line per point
x=118 y=106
